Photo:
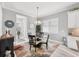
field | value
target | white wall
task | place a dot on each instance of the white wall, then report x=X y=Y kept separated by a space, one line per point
x=0 y=20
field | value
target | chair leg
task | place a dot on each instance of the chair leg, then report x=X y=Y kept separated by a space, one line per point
x=12 y=54
x=30 y=47
x=35 y=49
x=46 y=46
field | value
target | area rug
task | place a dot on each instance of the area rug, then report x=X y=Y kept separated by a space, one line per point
x=40 y=52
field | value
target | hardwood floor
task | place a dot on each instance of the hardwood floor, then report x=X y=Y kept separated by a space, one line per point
x=63 y=51
x=55 y=49
x=41 y=52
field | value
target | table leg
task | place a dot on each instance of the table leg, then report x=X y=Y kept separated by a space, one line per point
x=35 y=49
x=12 y=51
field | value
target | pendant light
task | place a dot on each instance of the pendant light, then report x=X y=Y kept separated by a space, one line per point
x=37 y=21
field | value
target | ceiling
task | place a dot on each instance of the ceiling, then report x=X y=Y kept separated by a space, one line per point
x=45 y=8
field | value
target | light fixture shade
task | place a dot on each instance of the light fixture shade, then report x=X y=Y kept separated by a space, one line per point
x=38 y=22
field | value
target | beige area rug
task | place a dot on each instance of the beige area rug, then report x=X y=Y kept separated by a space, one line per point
x=40 y=52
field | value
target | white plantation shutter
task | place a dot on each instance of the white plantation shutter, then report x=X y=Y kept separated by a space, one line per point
x=73 y=19
x=50 y=26
x=45 y=26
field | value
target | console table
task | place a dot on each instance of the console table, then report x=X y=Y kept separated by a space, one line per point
x=6 y=44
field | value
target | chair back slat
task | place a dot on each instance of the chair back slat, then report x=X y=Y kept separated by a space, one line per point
x=47 y=38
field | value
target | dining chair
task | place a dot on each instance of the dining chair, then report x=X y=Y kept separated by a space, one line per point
x=35 y=42
x=45 y=39
x=31 y=40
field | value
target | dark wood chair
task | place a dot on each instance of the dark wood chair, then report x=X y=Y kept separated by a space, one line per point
x=31 y=40
x=45 y=39
x=6 y=44
x=40 y=34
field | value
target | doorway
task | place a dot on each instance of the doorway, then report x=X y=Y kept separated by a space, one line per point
x=21 y=27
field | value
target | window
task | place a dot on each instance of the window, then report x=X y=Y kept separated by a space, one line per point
x=73 y=19
x=45 y=26
x=50 y=26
